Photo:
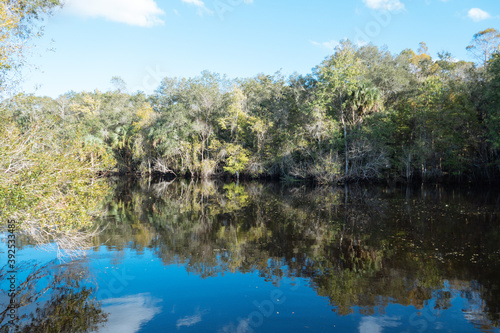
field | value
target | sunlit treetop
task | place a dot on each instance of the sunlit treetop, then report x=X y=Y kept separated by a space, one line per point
x=484 y=44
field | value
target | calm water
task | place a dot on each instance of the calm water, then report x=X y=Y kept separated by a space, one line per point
x=213 y=257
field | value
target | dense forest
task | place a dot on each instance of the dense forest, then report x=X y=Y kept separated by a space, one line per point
x=362 y=114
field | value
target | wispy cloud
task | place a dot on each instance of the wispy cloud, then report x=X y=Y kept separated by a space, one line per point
x=477 y=14
x=143 y=13
x=197 y=3
x=202 y=9
x=331 y=45
x=390 y=5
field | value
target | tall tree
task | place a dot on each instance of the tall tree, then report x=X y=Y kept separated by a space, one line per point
x=492 y=117
x=484 y=44
x=338 y=77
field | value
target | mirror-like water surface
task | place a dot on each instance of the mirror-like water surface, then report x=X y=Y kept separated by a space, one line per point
x=254 y=257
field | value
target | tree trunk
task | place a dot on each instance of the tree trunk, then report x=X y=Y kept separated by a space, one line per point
x=342 y=118
x=346 y=145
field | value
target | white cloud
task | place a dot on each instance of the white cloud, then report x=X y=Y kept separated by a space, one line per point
x=477 y=14
x=390 y=5
x=197 y=3
x=201 y=6
x=143 y=13
x=331 y=45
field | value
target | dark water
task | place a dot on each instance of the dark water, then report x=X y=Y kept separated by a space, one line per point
x=213 y=257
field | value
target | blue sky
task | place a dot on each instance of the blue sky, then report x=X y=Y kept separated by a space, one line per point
x=143 y=41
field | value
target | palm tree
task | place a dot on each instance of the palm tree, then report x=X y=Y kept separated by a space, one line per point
x=364 y=100
x=121 y=141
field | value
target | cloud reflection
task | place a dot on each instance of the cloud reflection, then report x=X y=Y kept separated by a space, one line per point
x=376 y=324
x=189 y=321
x=127 y=314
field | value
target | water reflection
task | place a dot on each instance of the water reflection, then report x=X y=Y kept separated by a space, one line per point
x=50 y=298
x=209 y=256
x=363 y=247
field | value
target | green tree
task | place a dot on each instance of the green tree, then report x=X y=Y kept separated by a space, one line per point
x=484 y=44
x=390 y=74
x=338 y=77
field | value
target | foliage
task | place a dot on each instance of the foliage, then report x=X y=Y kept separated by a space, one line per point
x=484 y=44
x=236 y=159
x=47 y=180
x=493 y=97
x=70 y=307
x=19 y=22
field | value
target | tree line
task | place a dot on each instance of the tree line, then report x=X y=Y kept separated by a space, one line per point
x=362 y=114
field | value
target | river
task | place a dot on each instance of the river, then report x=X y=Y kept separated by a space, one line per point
x=186 y=256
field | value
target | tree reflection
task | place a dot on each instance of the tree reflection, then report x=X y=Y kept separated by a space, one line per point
x=52 y=298
x=364 y=247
